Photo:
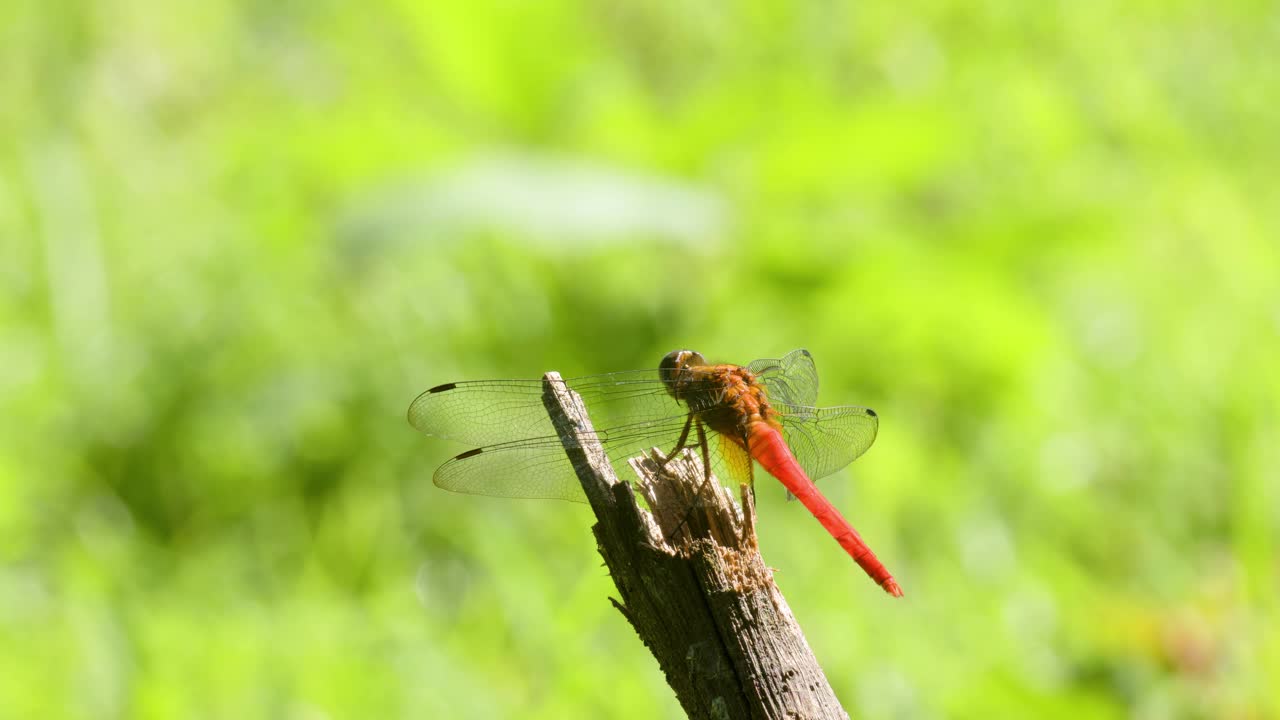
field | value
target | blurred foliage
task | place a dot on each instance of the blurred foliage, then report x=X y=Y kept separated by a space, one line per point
x=239 y=237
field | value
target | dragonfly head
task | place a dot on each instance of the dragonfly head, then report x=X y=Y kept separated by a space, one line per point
x=673 y=369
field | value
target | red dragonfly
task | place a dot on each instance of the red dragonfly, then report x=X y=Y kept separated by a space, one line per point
x=762 y=411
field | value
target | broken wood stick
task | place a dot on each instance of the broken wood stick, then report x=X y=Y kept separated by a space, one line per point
x=693 y=583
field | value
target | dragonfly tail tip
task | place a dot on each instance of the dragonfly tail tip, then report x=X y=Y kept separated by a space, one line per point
x=892 y=587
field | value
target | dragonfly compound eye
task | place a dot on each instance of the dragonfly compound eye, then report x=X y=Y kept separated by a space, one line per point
x=674 y=362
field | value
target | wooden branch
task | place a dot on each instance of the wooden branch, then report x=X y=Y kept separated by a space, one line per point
x=693 y=584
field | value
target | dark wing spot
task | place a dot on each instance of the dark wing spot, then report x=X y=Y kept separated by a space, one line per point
x=442 y=388
x=469 y=453
x=872 y=413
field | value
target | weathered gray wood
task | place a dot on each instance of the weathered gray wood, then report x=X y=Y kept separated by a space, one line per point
x=693 y=584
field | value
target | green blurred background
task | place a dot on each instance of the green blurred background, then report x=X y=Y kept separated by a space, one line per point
x=239 y=237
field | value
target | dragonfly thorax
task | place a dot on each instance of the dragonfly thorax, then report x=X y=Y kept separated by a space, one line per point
x=725 y=397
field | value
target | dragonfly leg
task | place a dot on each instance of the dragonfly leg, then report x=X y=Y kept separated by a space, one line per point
x=684 y=438
x=706 y=476
x=706 y=457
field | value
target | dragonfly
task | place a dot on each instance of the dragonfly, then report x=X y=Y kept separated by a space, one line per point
x=762 y=411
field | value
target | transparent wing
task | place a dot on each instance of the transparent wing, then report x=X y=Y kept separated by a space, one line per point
x=790 y=380
x=521 y=456
x=540 y=467
x=486 y=412
x=533 y=468
x=824 y=440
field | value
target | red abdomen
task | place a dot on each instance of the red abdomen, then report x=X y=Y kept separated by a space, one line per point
x=766 y=445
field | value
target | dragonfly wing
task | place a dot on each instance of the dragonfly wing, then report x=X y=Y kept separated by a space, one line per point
x=481 y=412
x=540 y=467
x=537 y=468
x=791 y=379
x=733 y=462
x=825 y=440
x=493 y=411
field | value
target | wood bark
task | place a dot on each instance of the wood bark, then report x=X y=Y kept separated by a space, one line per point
x=692 y=582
